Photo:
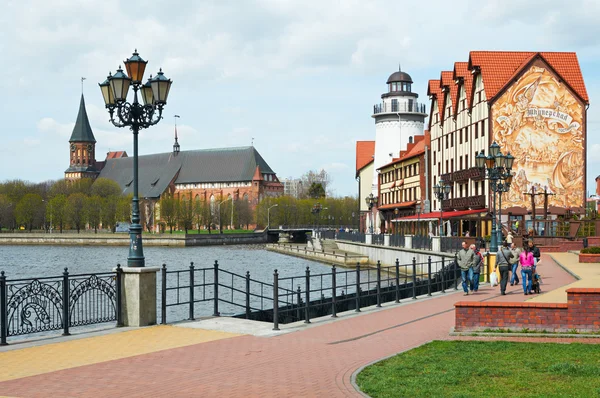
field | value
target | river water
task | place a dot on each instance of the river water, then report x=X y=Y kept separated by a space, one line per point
x=21 y=261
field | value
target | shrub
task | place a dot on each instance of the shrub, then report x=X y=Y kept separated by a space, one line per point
x=591 y=250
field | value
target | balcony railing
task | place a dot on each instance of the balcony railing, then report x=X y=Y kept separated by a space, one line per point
x=473 y=173
x=476 y=202
x=471 y=202
x=411 y=107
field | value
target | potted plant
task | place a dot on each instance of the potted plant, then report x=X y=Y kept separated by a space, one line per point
x=590 y=255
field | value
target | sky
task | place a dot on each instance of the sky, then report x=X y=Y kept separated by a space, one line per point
x=297 y=78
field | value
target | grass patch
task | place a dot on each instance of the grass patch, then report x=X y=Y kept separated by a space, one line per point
x=487 y=369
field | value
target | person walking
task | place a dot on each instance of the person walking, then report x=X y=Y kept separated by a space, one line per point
x=509 y=238
x=514 y=277
x=465 y=258
x=503 y=261
x=527 y=261
x=477 y=265
x=535 y=251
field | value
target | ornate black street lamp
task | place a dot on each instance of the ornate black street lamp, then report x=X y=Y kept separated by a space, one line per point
x=135 y=116
x=498 y=167
x=316 y=210
x=396 y=211
x=441 y=192
x=371 y=202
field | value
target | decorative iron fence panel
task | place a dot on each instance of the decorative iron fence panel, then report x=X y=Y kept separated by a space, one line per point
x=397 y=240
x=378 y=239
x=421 y=242
x=36 y=305
x=351 y=236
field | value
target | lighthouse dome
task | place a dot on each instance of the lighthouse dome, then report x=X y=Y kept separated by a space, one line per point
x=399 y=76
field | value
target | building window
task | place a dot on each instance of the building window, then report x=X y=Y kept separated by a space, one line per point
x=394 y=105
x=452 y=165
x=446 y=141
x=439 y=169
x=466 y=161
x=476 y=130
x=447 y=168
x=452 y=140
x=460 y=132
x=434 y=153
x=460 y=163
x=467 y=133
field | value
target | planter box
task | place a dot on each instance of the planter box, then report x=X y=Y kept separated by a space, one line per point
x=589 y=258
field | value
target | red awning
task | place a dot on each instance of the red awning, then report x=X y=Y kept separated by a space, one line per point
x=445 y=215
x=397 y=205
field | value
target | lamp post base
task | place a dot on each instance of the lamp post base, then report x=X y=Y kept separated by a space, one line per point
x=494 y=241
x=136 y=252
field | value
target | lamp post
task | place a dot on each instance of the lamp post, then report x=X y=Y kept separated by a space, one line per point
x=396 y=211
x=498 y=167
x=135 y=116
x=220 y=203
x=418 y=208
x=316 y=210
x=441 y=192
x=269 y=214
x=371 y=202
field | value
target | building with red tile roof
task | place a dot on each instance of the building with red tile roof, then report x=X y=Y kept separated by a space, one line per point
x=534 y=105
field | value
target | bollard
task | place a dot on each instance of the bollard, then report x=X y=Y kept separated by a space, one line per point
x=275 y=300
x=443 y=276
x=163 y=296
x=216 y=289
x=3 y=310
x=357 y=287
x=378 y=283
x=333 y=291
x=307 y=304
x=299 y=301
x=247 y=294
x=66 y=303
x=414 y=277
x=191 y=318
x=429 y=276
x=456 y=268
x=397 y=281
x=118 y=282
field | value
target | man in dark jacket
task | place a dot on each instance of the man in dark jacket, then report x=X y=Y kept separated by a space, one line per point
x=535 y=251
x=503 y=261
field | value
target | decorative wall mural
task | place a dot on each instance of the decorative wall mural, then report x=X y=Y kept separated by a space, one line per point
x=540 y=123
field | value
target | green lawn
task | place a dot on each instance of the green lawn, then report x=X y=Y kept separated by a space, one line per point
x=487 y=369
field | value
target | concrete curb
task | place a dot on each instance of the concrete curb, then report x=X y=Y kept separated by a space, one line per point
x=531 y=335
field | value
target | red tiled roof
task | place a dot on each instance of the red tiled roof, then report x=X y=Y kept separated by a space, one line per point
x=446 y=79
x=364 y=154
x=116 y=155
x=412 y=149
x=435 y=91
x=498 y=68
x=461 y=70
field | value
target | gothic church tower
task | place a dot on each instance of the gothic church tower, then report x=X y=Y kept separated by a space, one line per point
x=82 y=147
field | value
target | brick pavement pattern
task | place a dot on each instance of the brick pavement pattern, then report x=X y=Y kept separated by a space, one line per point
x=314 y=362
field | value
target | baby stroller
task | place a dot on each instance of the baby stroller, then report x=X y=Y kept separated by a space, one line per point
x=536 y=280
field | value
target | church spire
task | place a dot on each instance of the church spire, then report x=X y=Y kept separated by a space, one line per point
x=176 y=144
x=82 y=132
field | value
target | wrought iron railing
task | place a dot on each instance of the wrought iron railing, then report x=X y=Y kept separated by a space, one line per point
x=422 y=242
x=36 y=305
x=397 y=241
x=351 y=236
x=302 y=297
x=410 y=107
x=377 y=239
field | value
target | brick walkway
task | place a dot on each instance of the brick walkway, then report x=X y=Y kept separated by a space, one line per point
x=317 y=361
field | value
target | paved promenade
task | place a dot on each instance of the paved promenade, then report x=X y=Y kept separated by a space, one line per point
x=189 y=360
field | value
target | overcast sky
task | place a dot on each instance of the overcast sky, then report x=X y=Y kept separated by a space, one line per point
x=300 y=77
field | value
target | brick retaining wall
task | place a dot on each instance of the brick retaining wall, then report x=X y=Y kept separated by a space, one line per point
x=582 y=312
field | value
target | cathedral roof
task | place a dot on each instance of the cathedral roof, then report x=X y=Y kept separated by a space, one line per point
x=157 y=171
x=82 y=132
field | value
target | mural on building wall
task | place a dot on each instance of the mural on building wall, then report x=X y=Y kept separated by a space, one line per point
x=540 y=123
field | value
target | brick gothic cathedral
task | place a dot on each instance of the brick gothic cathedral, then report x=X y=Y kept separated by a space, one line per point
x=204 y=174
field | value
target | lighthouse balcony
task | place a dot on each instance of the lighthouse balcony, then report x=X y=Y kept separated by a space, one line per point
x=409 y=107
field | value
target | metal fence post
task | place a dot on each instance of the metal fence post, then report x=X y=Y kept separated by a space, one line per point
x=443 y=275
x=397 y=281
x=275 y=300
x=333 y=291
x=118 y=283
x=357 y=287
x=163 y=296
x=307 y=304
x=216 y=289
x=414 y=277
x=455 y=273
x=3 y=310
x=298 y=300
x=191 y=318
x=378 y=283
x=65 y=300
x=429 y=276
x=247 y=294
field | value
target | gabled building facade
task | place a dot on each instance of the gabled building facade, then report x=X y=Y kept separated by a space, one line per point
x=533 y=104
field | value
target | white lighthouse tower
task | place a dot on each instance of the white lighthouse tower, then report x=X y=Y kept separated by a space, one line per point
x=398 y=119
